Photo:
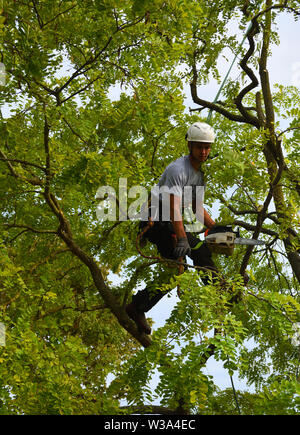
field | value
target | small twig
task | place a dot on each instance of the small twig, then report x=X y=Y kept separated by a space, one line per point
x=28 y=228
x=73 y=131
x=288 y=129
x=44 y=260
x=14 y=238
x=278 y=6
x=247 y=194
x=34 y=181
x=23 y=162
x=60 y=13
x=39 y=18
x=271 y=305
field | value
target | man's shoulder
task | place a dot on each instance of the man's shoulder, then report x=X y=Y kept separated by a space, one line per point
x=177 y=166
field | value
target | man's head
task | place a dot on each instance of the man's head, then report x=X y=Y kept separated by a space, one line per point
x=200 y=137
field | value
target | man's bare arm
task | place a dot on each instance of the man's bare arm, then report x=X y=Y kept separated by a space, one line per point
x=208 y=221
x=176 y=216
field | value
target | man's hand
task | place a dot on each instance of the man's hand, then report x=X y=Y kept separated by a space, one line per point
x=182 y=247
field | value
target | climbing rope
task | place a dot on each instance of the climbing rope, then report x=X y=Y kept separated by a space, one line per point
x=208 y=119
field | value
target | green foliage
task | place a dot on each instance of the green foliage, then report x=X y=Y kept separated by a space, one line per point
x=96 y=93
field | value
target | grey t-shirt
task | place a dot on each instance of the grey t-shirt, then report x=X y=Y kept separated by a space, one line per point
x=180 y=174
x=179 y=179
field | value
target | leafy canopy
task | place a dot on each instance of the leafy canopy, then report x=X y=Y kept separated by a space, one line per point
x=95 y=92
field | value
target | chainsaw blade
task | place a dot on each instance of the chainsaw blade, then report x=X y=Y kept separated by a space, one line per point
x=241 y=241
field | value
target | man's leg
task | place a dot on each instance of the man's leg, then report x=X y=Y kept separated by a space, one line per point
x=201 y=256
x=145 y=299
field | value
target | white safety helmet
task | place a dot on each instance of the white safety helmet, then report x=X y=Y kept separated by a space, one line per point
x=200 y=132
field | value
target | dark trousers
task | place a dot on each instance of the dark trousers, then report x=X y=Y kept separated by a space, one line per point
x=162 y=235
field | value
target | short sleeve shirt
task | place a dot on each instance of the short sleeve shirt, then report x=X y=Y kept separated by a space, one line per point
x=179 y=175
x=179 y=179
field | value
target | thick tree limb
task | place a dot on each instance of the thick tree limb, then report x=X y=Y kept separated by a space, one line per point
x=212 y=106
x=246 y=116
x=264 y=77
x=250 y=227
x=260 y=219
x=254 y=81
x=64 y=232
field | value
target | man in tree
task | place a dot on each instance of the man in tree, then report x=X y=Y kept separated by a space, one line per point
x=169 y=235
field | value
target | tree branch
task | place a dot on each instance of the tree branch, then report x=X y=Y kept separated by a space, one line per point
x=209 y=105
x=24 y=162
x=278 y=6
x=288 y=129
x=39 y=18
x=270 y=304
x=73 y=131
x=150 y=409
x=64 y=232
x=260 y=219
x=56 y=16
x=46 y=259
x=254 y=81
x=250 y=227
x=29 y=228
x=89 y=63
x=47 y=152
x=264 y=75
x=34 y=181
